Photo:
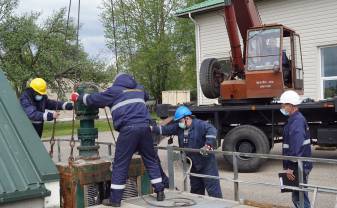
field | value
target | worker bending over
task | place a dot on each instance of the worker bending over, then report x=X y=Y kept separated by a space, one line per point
x=132 y=119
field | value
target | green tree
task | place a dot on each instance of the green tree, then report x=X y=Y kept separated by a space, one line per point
x=6 y=8
x=48 y=50
x=152 y=44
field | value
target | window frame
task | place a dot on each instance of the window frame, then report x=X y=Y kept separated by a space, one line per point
x=280 y=47
x=322 y=78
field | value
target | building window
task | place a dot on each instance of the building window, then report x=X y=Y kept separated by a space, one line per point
x=329 y=71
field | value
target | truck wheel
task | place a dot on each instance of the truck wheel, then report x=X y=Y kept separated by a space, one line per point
x=211 y=76
x=248 y=139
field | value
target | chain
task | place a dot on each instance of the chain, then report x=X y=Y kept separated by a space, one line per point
x=72 y=140
x=52 y=138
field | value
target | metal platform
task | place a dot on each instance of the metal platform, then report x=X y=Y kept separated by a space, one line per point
x=175 y=198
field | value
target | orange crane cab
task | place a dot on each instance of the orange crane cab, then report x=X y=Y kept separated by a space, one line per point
x=273 y=64
x=271 y=61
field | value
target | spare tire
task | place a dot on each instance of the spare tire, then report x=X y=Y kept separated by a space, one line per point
x=211 y=76
x=248 y=139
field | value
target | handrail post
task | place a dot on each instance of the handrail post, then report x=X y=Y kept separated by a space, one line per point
x=301 y=180
x=170 y=163
x=236 y=177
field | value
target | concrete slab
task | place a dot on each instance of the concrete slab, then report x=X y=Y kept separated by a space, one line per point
x=177 y=199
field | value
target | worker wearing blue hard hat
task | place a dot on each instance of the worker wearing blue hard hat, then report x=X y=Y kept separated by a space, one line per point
x=196 y=134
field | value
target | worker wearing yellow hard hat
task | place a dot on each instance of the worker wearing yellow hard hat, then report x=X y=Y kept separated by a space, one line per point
x=35 y=103
x=39 y=86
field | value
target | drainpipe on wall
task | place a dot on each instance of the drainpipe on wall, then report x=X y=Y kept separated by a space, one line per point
x=198 y=55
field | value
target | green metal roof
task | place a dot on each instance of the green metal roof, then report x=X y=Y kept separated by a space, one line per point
x=25 y=164
x=202 y=7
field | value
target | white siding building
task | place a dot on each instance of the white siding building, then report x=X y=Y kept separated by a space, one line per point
x=314 y=20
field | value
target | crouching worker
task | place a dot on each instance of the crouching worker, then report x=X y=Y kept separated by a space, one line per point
x=132 y=119
x=35 y=102
x=196 y=134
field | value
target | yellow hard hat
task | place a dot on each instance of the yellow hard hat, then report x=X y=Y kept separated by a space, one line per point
x=39 y=86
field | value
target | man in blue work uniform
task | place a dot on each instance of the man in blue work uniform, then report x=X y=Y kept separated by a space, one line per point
x=196 y=134
x=132 y=119
x=296 y=142
x=35 y=102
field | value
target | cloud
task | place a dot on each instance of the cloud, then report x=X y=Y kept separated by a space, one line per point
x=91 y=32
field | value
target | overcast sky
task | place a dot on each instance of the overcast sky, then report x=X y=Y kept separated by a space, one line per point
x=92 y=31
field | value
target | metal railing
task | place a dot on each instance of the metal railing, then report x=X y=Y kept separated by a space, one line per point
x=303 y=187
x=174 y=154
x=58 y=146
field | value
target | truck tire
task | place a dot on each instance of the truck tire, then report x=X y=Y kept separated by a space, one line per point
x=211 y=76
x=249 y=139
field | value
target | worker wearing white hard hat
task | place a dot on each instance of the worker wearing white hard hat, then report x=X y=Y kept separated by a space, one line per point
x=296 y=141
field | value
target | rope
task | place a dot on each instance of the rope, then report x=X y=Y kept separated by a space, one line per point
x=68 y=18
x=107 y=119
x=110 y=127
x=78 y=22
x=72 y=139
x=114 y=34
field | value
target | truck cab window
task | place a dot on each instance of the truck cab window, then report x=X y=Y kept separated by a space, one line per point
x=264 y=49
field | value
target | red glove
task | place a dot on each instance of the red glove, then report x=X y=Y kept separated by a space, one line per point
x=74 y=96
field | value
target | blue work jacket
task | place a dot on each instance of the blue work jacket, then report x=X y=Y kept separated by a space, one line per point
x=36 y=110
x=199 y=134
x=126 y=100
x=296 y=141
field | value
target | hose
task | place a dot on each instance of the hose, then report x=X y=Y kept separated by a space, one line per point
x=189 y=168
x=176 y=202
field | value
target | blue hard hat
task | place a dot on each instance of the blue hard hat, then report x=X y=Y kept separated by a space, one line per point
x=181 y=112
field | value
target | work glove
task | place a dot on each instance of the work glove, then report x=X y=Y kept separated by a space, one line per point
x=204 y=149
x=74 y=96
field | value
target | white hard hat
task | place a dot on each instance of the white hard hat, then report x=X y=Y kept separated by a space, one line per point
x=290 y=97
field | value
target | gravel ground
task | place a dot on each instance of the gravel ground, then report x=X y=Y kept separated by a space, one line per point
x=322 y=174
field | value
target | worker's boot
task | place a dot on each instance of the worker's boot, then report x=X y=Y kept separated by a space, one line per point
x=160 y=196
x=107 y=202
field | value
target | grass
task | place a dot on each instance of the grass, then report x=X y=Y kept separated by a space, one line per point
x=64 y=128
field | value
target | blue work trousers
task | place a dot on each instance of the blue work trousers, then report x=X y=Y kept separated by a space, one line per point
x=130 y=140
x=198 y=185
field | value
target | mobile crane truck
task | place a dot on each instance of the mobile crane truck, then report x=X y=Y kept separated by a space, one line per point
x=247 y=117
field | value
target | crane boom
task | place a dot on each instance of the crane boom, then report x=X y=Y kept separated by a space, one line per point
x=240 y=14
x=247 y=16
